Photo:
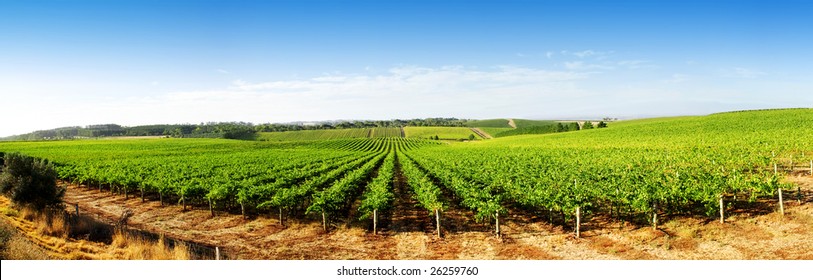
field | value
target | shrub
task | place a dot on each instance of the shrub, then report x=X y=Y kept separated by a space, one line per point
x=30 y=181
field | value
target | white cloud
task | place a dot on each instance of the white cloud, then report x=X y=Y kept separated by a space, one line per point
x=549 y=54
x=400 y=92
x=581 y=65
x=744 y=73
x=636 y=64
x=221 y=71
x=677 y=78
x=585 y=53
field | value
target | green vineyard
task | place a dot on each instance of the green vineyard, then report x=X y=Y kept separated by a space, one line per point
x=635 y=170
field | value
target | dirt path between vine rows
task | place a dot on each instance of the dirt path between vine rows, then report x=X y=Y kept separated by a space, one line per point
x=511 y=123
x=408 y=232
x=482 y=133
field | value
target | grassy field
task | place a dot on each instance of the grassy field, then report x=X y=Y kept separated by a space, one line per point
x=493 y=131
x=497 y=123
x=309 y=135
x=386 y=132
x=328 y=134
x=496 y=126
x=778 y=129
x=444 y=133
x=521 y=123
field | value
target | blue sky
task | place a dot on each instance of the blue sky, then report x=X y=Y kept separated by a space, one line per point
x=66 y=63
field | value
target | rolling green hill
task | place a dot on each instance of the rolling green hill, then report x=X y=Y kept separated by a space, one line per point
x=521 y=123
x=444 y=133
x=497 y=123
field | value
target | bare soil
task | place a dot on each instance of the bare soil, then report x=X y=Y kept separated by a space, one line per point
x=407 y=232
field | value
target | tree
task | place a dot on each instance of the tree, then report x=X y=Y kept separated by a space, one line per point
x=30 y=181
x=602 y=124
x=587 y=125
x=471 y=136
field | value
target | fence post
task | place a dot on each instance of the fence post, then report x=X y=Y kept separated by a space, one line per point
x=722 y=210
x=578 y=221
x=781 y=204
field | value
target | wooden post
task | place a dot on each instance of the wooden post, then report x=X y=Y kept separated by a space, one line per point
x=578 y=220
x=142 y=194
x=161 y=197
x=211 y=209
x=243 y=209
x=774 y=169
x=811 y=168
x=791 y=163
x=550 y=215
x=497 y=219
x=183 y=202
x=217 y=253
x=781 y=203
x=722 y=210
x=324 y=222
x=375 y=221
x=655 y=215
x=76 y=206
x=280 y=217
x=437 y=221
x=798 y=194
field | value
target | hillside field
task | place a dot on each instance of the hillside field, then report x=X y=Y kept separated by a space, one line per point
x=494 y=123
x=444 y=133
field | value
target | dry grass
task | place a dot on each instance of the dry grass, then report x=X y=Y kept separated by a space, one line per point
x=29 y=235
x=52 y=225
x=16 y=247
x=127 y=247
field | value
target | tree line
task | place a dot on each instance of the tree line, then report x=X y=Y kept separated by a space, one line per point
x=227 y=130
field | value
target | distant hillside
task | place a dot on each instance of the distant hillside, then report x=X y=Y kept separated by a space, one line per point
x=326 y=134
x=495 y=123
x=756 y=128
x=521 y=123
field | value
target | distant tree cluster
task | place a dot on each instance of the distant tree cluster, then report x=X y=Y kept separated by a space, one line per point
x=552 y=128
x=228 y=130
x=446 y=122
x=246 y=131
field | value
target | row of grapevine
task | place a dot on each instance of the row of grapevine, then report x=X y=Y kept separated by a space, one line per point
x=337 y=195
x=485 y=200
x=426 y=192
x=379 y=195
